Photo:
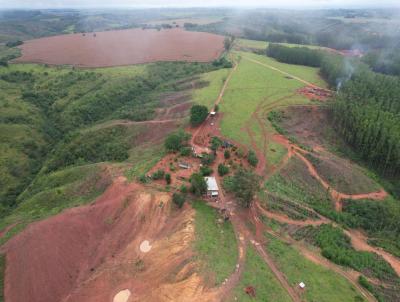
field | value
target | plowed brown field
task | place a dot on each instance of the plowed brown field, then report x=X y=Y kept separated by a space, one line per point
x=123 y=47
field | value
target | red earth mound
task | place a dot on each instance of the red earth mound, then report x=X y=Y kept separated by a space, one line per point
x=123 y=47
x=90 y=253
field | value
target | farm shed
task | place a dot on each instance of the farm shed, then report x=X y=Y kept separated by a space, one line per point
x=212 y=186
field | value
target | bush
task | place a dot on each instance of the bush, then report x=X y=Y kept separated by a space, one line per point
x=183 y=189
x=159 y=174
x=198 y=114
x=215 y=143
x=185 y=151
x=168 y=178
x=227 y=154
x=252 y=158
x=199 y=185
x=222 y=170
x=178 y=199
x=14 y=43
x=207 y=159
x=176 y=141
x=206 y=170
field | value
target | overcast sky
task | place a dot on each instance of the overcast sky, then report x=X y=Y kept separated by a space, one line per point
x=192 y=3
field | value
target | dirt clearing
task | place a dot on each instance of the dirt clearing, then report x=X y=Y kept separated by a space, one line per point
x=123 y=47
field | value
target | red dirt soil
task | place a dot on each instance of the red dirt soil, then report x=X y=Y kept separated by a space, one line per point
x=123 y=47
x=89 y=253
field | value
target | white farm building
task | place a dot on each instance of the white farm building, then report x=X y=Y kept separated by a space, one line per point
x=212 y=186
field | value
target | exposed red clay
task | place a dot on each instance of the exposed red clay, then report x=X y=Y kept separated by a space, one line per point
x=123 y=47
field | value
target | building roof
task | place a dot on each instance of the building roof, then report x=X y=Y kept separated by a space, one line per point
x=211 y=184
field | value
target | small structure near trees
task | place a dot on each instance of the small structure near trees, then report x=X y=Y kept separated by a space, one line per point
x=212 y=186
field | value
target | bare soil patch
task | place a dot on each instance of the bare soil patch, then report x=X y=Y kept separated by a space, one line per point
x=308 y=124
x=123 y=47
x=92 y=253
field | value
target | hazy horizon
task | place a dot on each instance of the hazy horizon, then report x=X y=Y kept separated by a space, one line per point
x=286 y=4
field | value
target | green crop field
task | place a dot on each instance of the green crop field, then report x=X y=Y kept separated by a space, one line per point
x=215 y=244
x=259 y=275
x=322 y=284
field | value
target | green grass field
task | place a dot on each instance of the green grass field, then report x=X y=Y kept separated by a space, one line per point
x=258 y=274
x=215 y=244
x=262 y=45
x=322 y=284
x=207 y=95
x=254 y=87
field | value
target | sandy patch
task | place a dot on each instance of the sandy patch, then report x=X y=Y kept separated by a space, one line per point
x=145 y=246
x=122 y=296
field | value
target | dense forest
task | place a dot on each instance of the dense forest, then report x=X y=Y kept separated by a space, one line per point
x=303 y=55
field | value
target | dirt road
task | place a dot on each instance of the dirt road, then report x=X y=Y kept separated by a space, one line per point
x=285 y=73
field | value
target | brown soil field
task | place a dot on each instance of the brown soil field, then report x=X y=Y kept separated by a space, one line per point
x=122 y=47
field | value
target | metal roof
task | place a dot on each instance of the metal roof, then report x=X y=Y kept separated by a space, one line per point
x=211 y=184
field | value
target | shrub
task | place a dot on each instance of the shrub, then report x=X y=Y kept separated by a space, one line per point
x=198 y=114
x=215 y=143
x=178 y=199
x=159 y=174
x=168 y=178
x=207 y=159
x=176 y=141
x=183 y=189
x=252 y=158
x=199 y=185
x=227 y=154
x=185 y=151
x=206 y=170
x=222 y=170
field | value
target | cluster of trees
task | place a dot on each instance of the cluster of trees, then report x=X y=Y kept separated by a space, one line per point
x=380 y=219
x=295 y=55
x=103 y=145
x=177 y=141
x=244 y=184
x=336 y=246
x=198 y=114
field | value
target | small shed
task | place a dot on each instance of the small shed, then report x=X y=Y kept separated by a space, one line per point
x=302 y=285
x=212 y=113
x=212 y=186
x=184 y=165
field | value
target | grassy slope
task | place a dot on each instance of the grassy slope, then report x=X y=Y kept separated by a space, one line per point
x=254 y=86
x=258 y=274
x=52 y=193
x=322 y=284
x=207 y=95
x=215 y=244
